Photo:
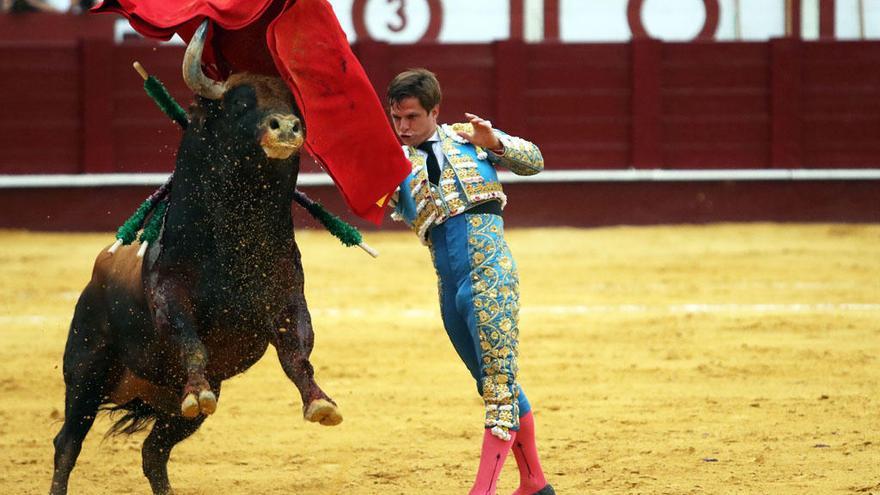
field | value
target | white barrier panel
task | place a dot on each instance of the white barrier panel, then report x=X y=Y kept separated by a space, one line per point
x=479 y=21
x=547 y=176
x=590 y=21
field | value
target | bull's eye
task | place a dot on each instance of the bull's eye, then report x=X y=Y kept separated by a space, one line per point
x=273 y=124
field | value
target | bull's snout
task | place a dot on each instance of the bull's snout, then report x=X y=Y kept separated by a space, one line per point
x=281 y=135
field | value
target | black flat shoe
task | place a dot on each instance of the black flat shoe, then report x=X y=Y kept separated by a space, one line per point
x=547 y=490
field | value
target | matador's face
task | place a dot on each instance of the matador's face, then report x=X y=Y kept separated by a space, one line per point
x=412 y=123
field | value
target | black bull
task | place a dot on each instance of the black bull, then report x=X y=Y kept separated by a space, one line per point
x=153 y=338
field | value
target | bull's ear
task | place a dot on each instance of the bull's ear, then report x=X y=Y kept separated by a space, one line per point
x=197 y=112
x=207 y=107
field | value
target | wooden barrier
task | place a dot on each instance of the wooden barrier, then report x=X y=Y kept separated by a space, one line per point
x=645 y=104
x=72 y=104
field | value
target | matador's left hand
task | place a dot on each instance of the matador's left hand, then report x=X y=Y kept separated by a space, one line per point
x=483 y=135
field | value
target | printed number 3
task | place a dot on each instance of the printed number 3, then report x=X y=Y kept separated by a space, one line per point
x=401 y=16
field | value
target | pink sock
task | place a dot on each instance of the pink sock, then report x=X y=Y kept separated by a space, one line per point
x=525 y=450
x=492 y=459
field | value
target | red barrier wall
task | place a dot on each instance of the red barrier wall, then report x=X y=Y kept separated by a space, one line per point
x=577 y=204
x=72 y=104
x=77 y=106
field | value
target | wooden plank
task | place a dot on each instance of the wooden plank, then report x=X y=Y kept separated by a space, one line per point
x=605 y=56
x=589 y=104
x=700 y=103
x=97 y=105
x=647 y=60
x=517 y=20
x=510 y=87
x=717 y=78
x=785 y=98
x=580 y=78
x=551 y=20
x=826 y=19
x=554 y=130
x=715 y=156
x=713 y=53
x=708 y=129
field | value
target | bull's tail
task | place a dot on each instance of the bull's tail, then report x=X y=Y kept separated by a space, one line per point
x=136 y=416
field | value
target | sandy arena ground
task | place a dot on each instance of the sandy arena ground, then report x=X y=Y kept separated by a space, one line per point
x=696 y=359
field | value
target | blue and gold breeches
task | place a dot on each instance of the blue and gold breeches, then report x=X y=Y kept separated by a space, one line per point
x=479 y=302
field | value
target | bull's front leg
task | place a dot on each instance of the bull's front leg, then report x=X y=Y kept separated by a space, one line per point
x=293 y=340
x=173 y=314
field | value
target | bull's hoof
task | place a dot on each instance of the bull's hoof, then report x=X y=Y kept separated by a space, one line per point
x=189 y=408
x=323 y=411
x=207 y=402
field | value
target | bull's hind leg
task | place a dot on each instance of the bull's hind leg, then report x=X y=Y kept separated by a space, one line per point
x=86 y=367
x=294 y=339
x=81 y=407
x=167 y=432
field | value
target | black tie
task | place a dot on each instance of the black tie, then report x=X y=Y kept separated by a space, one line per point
x=433 y=166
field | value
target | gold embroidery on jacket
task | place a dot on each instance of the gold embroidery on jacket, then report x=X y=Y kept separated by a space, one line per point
x=520 y=156
x=461 y=185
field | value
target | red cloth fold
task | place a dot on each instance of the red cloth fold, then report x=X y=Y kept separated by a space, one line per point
x=302 y=42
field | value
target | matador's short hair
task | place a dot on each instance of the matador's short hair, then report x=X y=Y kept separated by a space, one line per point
x=418 y=83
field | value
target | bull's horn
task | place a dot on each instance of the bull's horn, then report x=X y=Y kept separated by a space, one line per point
x=197 y=81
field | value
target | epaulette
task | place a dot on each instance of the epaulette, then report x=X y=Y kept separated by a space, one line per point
x=452 y=130
x=463 y=127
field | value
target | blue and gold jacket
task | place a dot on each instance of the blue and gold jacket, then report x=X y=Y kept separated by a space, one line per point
x=467 y=178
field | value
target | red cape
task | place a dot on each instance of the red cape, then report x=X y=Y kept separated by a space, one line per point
x=302 y=42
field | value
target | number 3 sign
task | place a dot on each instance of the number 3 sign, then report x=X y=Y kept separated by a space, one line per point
x=399 y=13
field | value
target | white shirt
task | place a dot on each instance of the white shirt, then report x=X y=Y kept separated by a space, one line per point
x=437 y=149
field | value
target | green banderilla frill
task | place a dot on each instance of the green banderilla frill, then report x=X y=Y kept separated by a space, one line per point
x=154 y=226
x=160 y=95
x=348 y=234
x=156 y=90
x=151 y=231
x=127 y=233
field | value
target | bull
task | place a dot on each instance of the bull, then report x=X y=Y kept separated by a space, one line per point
x=153 y=338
